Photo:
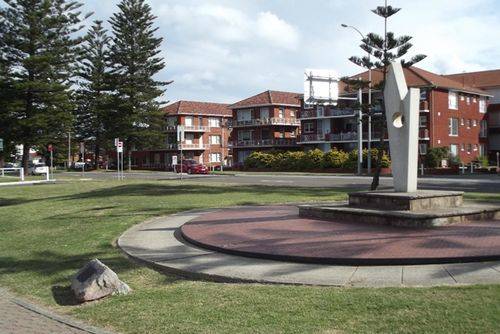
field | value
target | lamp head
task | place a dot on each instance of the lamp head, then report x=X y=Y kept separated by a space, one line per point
x=343 y=25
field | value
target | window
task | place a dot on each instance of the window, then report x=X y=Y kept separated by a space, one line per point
x=282 y=135
x=215 y=140
x=171 y=121
x=244 y=135
x=467 y=100
x=244 y=115
x=189 y=137
x=475 y=147
x=422 y=148
x=321 y=111
x=423 y=95
x=281 y=113
x=462 y=122
x=482 y=106
x=462 y=147
x=468 y=124
x=264 y=113
x=462 y=97
x=483 y=129
x=474 y=100
x=422 y=121
x=188 y=121
x=453 y=150
x=292 y=134
x=482 y=150
x=215 y=157
x=453 y=127
x=474 y=122
x=214 y=122
x=292 y=113
x=452 y=100
x=309 y=127
x=469 y=148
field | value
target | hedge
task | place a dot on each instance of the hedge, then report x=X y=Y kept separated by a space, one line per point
x=310 y=160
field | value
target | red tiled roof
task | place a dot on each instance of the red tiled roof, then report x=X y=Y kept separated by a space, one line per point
x=482 y=79
x=202 y=108
x=269 y=97
x=417 y=77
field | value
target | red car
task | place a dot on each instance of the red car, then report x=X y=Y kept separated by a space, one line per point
x=191 y=167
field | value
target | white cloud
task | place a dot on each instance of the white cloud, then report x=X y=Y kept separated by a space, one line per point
x=277 y=31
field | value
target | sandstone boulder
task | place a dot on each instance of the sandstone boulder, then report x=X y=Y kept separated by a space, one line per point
x=95 y=280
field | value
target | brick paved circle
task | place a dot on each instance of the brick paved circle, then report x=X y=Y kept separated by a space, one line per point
x=277 y=232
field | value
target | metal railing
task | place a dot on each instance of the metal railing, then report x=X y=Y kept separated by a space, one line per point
x=341 y=136
x=196 y=128
x=193 y=146
x=266 y=121
x=264 y=142
x=313 y=113
x=312 y=137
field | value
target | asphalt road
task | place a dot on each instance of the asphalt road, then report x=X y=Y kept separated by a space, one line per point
x=472 y=183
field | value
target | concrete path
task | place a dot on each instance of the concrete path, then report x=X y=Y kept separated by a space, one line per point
x=20 y=317
x=157 y=242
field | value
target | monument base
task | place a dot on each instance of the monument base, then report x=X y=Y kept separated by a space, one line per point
x=420 y=209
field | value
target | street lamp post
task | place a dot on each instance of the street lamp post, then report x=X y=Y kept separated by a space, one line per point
x=369 y=157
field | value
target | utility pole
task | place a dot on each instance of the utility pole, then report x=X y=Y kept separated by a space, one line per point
x=369 y=139
x=360 y=133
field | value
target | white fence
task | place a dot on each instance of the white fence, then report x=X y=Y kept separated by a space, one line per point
x=21 y=172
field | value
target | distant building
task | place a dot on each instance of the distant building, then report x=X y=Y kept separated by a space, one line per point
x=266 y=121
x=488 y=81
x=451 y=114
x=206 y=133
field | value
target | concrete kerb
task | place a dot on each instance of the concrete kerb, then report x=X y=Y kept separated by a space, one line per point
x=158 y=244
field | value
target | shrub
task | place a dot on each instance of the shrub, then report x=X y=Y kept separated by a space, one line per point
x=435 y=155
x=483 y=160
x=313 y=159
x=335 y=159
x=260 y=160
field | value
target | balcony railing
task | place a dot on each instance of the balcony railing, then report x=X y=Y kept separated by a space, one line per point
x=423 y=134
x=313 y=113
x=176 y=147
x=266 y=121
x=341 y=136
x=312 y=137
x=170 y=128
x=264 y=143
x=193 y=146
x=196 y=128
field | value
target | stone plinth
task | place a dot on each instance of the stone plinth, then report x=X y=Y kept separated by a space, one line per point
x=416 y=209
x=414 y=201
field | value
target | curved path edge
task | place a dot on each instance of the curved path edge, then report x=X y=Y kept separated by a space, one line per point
x=158 y=243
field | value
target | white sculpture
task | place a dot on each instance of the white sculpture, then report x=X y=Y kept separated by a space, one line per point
x=402 y=111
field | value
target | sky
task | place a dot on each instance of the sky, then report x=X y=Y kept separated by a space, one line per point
x=227 y=50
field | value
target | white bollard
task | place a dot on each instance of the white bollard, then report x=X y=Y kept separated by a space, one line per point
x=21 y=170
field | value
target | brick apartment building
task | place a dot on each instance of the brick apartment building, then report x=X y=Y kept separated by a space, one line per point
x=488 y=81
x=265 y=121
x=451 y=114
x=206 y=133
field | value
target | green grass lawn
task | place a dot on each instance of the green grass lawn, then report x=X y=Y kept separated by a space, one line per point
x=49 y=231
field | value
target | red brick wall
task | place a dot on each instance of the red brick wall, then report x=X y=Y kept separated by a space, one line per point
x=439 y=123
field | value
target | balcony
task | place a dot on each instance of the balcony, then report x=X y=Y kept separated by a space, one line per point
x=170 y=128
x=327 y=113
x=266 y=122
x=192 y=147
x=279 y=142
x=424 y=106
x=311 y=138
x=196 y=128
x=423 y=134
x=186 y=147
x=341 y=137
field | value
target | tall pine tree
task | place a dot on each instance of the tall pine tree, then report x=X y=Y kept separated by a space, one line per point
x=385 y=49
x=39 y=47
x=136 y=61
x=93 y=96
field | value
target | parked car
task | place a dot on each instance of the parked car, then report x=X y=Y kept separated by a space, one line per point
x=37 y=169
x=191 y=167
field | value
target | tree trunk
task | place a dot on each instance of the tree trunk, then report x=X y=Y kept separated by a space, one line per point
x=97 y=150
x=26 y=158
